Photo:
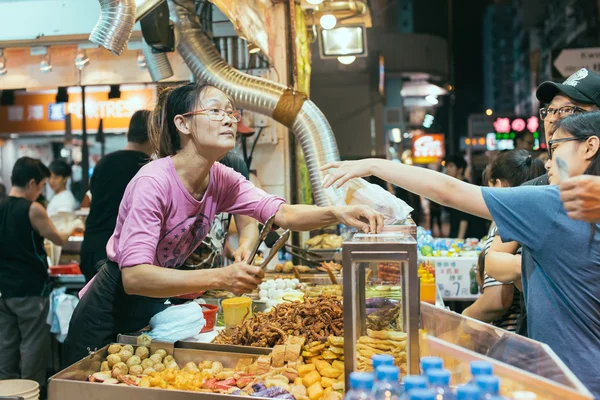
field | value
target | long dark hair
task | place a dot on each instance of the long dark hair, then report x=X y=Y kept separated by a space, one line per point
x=173 y=101
x=515 y=167
x=583 y=126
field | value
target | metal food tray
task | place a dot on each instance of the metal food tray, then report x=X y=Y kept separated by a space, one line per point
x=71 y=383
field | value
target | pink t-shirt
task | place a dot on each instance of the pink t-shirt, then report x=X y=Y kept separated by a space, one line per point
x=160 y=223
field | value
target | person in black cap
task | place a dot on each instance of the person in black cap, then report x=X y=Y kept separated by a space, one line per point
x=579 y=93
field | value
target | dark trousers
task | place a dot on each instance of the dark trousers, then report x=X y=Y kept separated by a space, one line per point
x=91 y=262
x=104 y=311
x=436 y=216
x=24 y=338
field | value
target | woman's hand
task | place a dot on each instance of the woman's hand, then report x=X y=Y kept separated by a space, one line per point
x=240 y=278
x=346 y=170
x=242 y=253
x=362 y=217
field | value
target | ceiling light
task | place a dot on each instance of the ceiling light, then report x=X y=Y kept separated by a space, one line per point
x=489 y=112
x=3 y=69
x=252 y=48
x=45 y=65
x=141 y=60
x=432 y=99
x=346 y=60
x=81 y=59
x=328 y=21
x=314 y=2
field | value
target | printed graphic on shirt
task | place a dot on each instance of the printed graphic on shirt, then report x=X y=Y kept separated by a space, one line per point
x=176 y=246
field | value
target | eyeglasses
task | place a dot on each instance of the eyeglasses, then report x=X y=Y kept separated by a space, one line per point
x=217 y=114
x=562 y=111
x=569 y=139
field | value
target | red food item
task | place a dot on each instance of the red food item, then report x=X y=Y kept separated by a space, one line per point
x=228 y=382
x=210 y=384
x=242 y=382
x=222 y=386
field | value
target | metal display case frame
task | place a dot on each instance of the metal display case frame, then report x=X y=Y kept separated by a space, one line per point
x=395 y=244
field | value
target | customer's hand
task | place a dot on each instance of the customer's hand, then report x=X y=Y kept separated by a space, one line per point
x=362 y=217
x=581 y=197
x=240 y=278
x=346 y=170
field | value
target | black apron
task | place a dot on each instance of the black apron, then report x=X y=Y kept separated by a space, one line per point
x=106 y=311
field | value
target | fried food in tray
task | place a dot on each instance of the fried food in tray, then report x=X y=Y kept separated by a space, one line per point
x=288 y=267
x=325 y=242
x=315 y=319
x=330 y=266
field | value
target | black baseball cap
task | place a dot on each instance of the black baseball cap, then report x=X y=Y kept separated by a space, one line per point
x=583 y=86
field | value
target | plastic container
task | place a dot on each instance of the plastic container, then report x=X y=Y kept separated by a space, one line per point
x=387 y=386
x=468 y=392
x=428 y=290
x=235 y=310
x=421 y=394
x=439 y=382
x=381 y=359
x=67 y=269
x=361 y=386
x=428 y=363
x=210 y=316
x=24 y=388
x=489 y=385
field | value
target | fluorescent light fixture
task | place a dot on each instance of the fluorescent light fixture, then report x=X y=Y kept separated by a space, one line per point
x=343 y=41
x=396 y=135
x=81 y=59
x=314 y=2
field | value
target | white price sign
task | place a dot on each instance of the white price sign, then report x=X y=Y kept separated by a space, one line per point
x=453 y=276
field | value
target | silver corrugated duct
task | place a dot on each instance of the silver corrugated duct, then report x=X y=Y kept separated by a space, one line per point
x=290 y=108
x=158 y=63
x=117 y=18
x=113 y=29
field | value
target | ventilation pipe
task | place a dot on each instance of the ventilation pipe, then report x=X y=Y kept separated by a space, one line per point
x=158 y=63
x=284 y=105
x=117 y=18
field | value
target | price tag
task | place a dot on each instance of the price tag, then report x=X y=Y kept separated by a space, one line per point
x=453 y=277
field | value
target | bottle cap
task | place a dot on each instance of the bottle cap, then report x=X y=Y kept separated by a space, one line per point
x=488 y=384
x=438 y=377
x=381 y=359
x=481 y=368
x=428 y=363
x=361 y=380
x=387 y=373
x=421 y=394
x=468 y=392
x=414 y=382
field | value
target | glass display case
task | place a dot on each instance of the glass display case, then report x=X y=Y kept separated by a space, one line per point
x=381 y=299
x=522 y=364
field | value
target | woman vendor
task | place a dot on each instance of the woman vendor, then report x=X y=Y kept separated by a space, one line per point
x=168 y=209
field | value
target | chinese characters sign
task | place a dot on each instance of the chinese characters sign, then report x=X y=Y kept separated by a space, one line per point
x=428 y=148
x=454 y=277
x=39 y=113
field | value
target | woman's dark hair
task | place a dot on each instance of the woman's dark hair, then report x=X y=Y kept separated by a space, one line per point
x=516 y=167
x=173 y=101
x=61 y=168
x=26 y=169
x=582 y=126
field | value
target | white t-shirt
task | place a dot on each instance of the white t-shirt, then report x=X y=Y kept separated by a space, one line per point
x=62 y=202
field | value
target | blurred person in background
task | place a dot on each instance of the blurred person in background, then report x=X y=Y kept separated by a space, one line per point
x=524 y=141
x=24 y=223
x=462 y=225
x=63 y=200
x=500 y=303
x=111 y=176
x=3 y=193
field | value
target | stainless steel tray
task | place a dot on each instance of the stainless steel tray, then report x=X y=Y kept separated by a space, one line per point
x=71 y=383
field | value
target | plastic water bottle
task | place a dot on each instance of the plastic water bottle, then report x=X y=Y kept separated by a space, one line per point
x=489 y=385
x=387 y=386
x=439 y=381
x=381 y=359
x=421 y=394
x=413 y=382
x=428 y=363
x=480 y=368
x=468 y=392
x=361 y=386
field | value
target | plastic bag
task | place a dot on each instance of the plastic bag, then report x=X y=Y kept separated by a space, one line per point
x=177 y=323
x=357 y=191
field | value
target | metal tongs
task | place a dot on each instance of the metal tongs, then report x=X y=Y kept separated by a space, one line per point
x=276 y=247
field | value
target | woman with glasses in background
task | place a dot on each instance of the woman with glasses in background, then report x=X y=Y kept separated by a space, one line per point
x=562 y=288
x=168 y=209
